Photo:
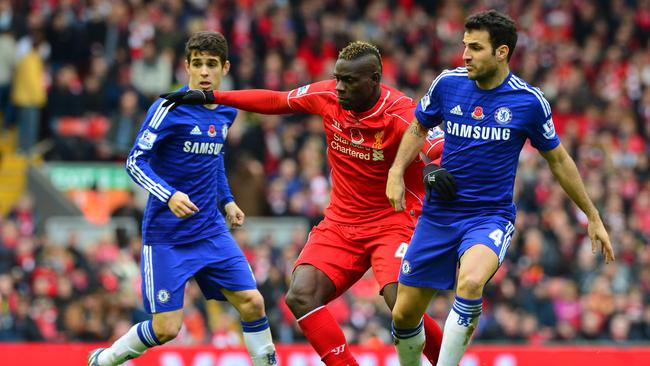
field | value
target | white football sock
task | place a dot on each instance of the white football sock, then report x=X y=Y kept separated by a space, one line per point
x=409 y=344
x=459 y=327
x=131 y=345
x=257 y=337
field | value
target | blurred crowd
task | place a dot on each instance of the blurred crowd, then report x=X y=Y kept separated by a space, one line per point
x=76 y=77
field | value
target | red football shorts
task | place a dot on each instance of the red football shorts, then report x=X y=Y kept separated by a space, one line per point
x=345 y=252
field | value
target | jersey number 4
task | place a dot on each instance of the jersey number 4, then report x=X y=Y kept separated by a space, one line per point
x=401 y=250
x=496 y=236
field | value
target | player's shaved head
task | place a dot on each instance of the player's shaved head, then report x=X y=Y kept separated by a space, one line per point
x=359 y=49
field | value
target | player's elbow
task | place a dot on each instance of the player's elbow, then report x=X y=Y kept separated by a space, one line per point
x=556 y=157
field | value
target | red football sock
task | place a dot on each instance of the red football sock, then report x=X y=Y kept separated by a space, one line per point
x=327 y=338
x=433 y=334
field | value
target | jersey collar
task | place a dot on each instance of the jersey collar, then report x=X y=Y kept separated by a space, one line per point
x=369 y=118
x=496 y=88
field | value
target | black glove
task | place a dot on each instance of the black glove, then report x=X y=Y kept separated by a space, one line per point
x=192 y=96
x=438 y=178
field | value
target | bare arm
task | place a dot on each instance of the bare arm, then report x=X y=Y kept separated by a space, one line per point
x=565 y=171
x=411 y=144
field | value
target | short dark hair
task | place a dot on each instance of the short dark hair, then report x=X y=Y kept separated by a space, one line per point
x=502 y=28
x=358 y=49
x=213 y=43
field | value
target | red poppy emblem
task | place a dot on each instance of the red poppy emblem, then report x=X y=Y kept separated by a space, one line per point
x=478 y=113
x=356 y=136
x=212 y=132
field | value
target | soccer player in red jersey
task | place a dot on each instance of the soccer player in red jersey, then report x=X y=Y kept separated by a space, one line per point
x=364 y=121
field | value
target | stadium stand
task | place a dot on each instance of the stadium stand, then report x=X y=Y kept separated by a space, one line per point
x=75 y=76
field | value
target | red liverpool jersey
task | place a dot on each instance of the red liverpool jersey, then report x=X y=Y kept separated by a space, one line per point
x=361 y=148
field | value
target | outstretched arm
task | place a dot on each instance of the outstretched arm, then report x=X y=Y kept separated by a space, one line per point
x=409 y=148
x=309 y=98
x=252 y=100
x=565 y=171
x=255 y=100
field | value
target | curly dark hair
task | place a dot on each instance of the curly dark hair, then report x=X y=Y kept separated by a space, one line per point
x=358 y=49
x=502 y=29
x=213 y=43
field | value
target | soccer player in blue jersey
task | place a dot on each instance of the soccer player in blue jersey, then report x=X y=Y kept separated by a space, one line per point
x=487 y=115
x=178 y=158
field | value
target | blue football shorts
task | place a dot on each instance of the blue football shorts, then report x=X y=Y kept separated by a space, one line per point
x=215 y=263
x=432 y=257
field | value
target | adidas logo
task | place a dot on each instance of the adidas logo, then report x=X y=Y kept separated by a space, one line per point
x=196 y=131
x=456 y=110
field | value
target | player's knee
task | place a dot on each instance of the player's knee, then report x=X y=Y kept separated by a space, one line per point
x=167 y=329
x=252 y=306
x=399 y=317
x=470 y=284
x=294 y=299
x=300 y=299
x=403 y=319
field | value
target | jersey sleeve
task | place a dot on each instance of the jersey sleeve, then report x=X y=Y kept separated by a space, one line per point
x=540 y=128
x=433 y=145
x=154 y=130
x=312 y=98
x=231 y=115
x=224 y=195
x=429 y=110
x=432 y=148
x=255 y=100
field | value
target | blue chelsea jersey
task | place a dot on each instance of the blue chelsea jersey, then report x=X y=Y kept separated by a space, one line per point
x=485 y=131
x=182 y=150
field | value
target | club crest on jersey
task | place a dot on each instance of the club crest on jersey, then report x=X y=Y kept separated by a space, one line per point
x=356 y=136
x=212 y=131
x=224 y=131
x=379 y=139
x=406 y=267
x=503 y=115
x=163 y=296
x=478 y=113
